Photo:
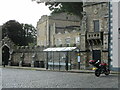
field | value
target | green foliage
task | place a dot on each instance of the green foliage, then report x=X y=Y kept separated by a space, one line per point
x=69 y=7
x=30 y=34
x=20 y=34
x=14 y=31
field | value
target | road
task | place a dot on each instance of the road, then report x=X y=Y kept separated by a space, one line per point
x=19 y=78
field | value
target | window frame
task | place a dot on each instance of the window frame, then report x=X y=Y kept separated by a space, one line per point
x=96 y=25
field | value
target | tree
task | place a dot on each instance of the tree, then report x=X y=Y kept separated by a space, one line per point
x=14 y=31
x=20 y=34
x=69 y=7
x=30 y=33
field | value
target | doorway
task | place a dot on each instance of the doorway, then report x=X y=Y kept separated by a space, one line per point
x=96 y=55
x=5 y=55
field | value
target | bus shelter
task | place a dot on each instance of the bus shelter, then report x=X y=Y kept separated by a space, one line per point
x=60 y=58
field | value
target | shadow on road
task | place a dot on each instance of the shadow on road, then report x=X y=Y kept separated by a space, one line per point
x=109 y=76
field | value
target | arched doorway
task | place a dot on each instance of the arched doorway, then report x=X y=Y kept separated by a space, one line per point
x=5 y=55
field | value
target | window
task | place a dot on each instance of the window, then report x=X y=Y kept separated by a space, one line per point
x=67 y=40
x=59 y=42
x=119 y=30
x=77 y=39
x=66 y=31
x=96 y=25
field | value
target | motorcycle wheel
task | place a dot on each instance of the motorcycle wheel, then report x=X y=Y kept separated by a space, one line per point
x=107 y=72
x=97 y=72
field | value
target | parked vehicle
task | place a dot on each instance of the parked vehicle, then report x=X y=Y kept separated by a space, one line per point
x=102 y=68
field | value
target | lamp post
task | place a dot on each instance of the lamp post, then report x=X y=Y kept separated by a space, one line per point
x=78 y=57
x=66 y=61
x=46 y=60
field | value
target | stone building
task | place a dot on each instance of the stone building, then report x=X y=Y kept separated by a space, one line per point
x=67 y=36
x=48 y=28
x=90 y=34
x=94 y=30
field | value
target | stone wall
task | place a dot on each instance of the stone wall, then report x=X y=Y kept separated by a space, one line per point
x=95 y=11
x=73 y=36
x=98 y=11
x=27 y=56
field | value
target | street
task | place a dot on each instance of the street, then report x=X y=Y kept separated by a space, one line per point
x=19 y=78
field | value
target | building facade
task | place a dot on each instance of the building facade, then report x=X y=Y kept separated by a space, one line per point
x=95 y=27
x=115 y=35
x=50 y=29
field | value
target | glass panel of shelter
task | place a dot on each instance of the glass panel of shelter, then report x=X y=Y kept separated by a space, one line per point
x=58 y=60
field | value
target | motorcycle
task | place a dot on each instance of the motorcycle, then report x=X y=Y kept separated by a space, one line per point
x=102 y=68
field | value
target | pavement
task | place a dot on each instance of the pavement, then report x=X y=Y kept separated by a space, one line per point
x=44 y=69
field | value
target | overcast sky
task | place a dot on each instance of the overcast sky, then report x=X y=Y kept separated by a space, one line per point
x=23 y=11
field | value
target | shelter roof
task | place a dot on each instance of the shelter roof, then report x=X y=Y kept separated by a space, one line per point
x=60 y=49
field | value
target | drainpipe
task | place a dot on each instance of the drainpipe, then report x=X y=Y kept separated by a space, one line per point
x=109 y=34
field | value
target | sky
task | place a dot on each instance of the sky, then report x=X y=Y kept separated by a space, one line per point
x=23 y=11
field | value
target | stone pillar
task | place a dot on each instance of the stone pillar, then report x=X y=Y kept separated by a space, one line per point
x=20 y=64
x=32 y=64
x=21 y=60
x=10 y=58
x=33 y=60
